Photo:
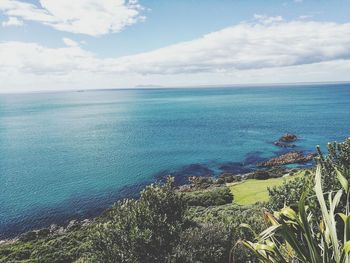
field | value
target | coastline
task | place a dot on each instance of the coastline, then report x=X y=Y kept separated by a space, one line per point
x=245 y=169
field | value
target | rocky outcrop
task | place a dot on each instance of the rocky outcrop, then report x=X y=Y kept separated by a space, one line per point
x=288 y=137
x=285 y=141
x=288 y=158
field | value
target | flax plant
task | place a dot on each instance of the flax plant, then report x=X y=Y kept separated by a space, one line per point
x=292 y=237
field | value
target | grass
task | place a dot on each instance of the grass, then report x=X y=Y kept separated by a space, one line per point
x=251 y=191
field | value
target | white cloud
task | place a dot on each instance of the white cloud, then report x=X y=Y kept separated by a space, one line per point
x=90 y=17
x=69 y=42
x=12 y=21
x=247 y=46
x=298 y=1
x=257 y=52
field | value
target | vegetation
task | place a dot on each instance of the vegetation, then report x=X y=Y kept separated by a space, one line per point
x=300 y=234
x=213 y=196
x=288 y=194
x=205 y=223
x=144 y=230
x=56 y=248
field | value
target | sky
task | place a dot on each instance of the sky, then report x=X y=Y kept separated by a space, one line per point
x=100 y=44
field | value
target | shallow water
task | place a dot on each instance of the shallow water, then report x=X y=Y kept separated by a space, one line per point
x=71 y=154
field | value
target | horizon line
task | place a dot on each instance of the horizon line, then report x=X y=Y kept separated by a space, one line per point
x=202 y=86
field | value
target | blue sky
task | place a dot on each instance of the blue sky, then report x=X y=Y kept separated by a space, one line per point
x=131 y=42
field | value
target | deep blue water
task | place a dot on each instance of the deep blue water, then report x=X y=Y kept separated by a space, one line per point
x=71 y=154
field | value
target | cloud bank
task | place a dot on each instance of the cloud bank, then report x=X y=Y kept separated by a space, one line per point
x=264 y=50
x=247 y=46
x=89 y=17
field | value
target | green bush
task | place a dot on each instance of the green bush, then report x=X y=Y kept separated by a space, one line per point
x=232 y=216
x=201 y=182
x=261 y=175
x=144 y=230
x=210 y=242
x=229 y=178
x=209 y=197
x=288 y=194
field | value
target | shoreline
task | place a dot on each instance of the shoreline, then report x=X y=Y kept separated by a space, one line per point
x=243 y=169
x=59 y=229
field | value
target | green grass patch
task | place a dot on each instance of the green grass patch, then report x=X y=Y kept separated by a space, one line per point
x=250 y=191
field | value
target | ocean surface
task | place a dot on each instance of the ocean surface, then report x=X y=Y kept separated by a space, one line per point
x=70 y=155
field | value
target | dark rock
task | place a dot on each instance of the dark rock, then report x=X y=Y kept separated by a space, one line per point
x=183 y=174
x=234 y=167
x=288 y=137
x=284 y=145
x=288 y=158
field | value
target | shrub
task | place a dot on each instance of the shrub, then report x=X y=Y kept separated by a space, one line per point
x=261 y=175
x=288 y=194
x=209 y=197
x=29 y=236
x=210 y=242
x=201 y=181
x=229 y=178
x=144 y=230
x=232 y=216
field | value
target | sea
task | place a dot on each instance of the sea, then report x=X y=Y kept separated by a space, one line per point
x=68 y=155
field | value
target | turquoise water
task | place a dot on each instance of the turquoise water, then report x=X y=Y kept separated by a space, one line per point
x=71 y=154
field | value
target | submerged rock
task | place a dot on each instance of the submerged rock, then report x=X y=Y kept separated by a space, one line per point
x=288 y=158
x=284 y=145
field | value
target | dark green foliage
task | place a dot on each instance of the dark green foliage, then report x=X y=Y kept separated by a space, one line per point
x=29 y=236
x=339 y=157
x=210 y=242
x=289 y=193
x=201 y=182
x=276 y=172
x=209 y=197
x=261 y=175
x=144 y=230
x=228 y=178
x=232 y=216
